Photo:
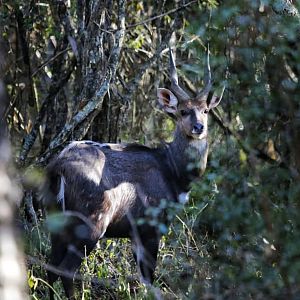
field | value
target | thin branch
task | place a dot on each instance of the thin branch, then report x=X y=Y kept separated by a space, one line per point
x=53 y=90
x=163 y=47
x=95 y=104
x=162 y=15
x=134 y=83
x=49 y=61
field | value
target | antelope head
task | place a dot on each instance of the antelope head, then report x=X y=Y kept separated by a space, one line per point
x=189 y=112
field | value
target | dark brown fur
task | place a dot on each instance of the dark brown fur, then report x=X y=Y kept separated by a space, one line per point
x=112 y=186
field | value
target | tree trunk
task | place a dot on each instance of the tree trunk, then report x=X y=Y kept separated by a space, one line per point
x=12 y=269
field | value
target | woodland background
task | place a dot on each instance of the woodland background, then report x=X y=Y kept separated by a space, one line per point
x=89 y=70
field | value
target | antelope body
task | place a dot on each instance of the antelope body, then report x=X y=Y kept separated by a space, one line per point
x=107 y=188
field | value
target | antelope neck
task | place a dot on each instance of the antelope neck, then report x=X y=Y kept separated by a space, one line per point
x=187 y=156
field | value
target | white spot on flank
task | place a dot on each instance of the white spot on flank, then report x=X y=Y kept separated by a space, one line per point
x=92 y=143
x=61 y=193
x=184 y=197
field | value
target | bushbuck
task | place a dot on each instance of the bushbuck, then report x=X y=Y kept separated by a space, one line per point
x=103 y=190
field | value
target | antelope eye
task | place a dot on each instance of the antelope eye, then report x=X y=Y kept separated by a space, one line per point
x=184 y=112
x=206 y=111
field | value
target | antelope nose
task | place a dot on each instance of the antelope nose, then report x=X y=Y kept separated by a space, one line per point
x=198 y=128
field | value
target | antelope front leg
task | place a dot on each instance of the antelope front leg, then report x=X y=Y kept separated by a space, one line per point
x=145 y=254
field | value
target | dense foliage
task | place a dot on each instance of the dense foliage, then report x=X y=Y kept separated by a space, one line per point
x=252 y=186
x=239 y=237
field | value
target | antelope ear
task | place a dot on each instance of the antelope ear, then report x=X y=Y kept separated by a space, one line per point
x=167 y=100
x=216 y=99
